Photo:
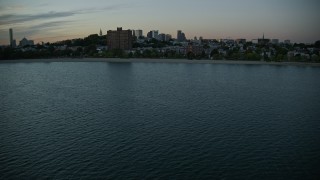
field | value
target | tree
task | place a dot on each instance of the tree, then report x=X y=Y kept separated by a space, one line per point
x=130 y=55
x=252 y=56
x=80 y=49
x=91 y=49
x=118 y=53
x=317 y=44
x=190 y=55
x=7 y=53
x=51 y=49
x=206 y=46
x=203 y=54
x=265 y=56
x=315 y=58
x=214 y=52
x=92 y=39
x=109 y=54
x=154 y=54
x=146 y=53
x=137 y=54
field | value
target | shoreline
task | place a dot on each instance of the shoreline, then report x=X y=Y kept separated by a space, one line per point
x=135 y=60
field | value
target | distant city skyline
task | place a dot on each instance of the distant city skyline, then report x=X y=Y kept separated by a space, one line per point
x=51 y=21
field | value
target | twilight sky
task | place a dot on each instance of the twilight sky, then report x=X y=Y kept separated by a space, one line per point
x=54 y=20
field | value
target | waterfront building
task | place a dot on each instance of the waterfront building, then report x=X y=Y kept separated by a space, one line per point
x=14 y=43
x=168 y=37
x=149 y=34
x=196 y=49
x=179 y=32
x=254 y=41
x=119 y=39
x=26 y=42
x=162 y=37
x=181 y=36
x=287 y=41
x=138 y=33
x=153 y=34
x=227 y=41
x=263 y=41
x=241 y=41
x=275 y=41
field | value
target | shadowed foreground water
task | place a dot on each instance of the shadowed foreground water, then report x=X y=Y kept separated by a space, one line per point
x=68 y=120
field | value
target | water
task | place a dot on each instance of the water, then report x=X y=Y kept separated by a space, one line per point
x=72 y=120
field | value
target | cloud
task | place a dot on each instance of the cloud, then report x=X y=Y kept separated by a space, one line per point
x=17 y=7
x=46 y=26
x=7 y=19
x=32 y=32
x=51 y=24
x=41 y=28
x=14 y=18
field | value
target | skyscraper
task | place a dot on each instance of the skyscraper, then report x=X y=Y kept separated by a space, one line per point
x=181 y=36
x=11 y=37
x=149 y=34
x=168 y=37
x=153 y=34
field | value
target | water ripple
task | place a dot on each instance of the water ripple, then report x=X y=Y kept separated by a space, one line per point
x=159 y=121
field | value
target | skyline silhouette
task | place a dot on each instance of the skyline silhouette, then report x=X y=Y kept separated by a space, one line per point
x=49 y=21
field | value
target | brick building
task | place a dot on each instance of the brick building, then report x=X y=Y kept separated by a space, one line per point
x=119 y=39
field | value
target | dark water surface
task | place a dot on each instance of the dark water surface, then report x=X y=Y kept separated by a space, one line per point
x=72 y=120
